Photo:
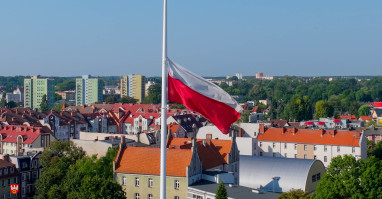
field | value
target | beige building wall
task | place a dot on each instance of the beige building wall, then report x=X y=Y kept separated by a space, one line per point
x=305 y=151
x=144 y=190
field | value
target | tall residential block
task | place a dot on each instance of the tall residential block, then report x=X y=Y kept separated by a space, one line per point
x=133 y=86
x=124 y=86
x=34 y=90
x=88 y=90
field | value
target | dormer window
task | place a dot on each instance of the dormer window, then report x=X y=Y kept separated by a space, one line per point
x=12 y=170
x=5 y=171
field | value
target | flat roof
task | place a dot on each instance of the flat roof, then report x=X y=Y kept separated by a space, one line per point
x=237 y=192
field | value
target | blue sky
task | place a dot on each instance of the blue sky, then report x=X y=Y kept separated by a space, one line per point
x=210 y=37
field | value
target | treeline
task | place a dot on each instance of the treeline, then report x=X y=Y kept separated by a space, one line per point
x=295 y=98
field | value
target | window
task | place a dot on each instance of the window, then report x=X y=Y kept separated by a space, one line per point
x=150 y=182
x=305 y=147
x=285 y=155
x=295 y=155
x=338 y=148
x=136 y=195
x=1 y=172
x=318 y=176
x=261 y=144
x=261 y=153
x=15 y=180
x=325 y=148
x=123 y=180
x=274 y=145
x=9 y=181
x=295 y=146
x=3 y=183
x=25 y=165
x=24 y=177
x=314 y=178
x=285 y=145
x=325 y=159
x=315 y=147
x=176 y=184
x=274 y=154
x=176 y=197
x=137 y=182
x=6 y=171
x=305 y=156
x=315 y=157
x=353 y=149
x=12 y=169
x=150 y=196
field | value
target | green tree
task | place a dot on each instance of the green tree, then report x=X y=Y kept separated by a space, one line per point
x=377 y=151
x=111 y=99
x=154 y=95
x=127 y=100
x=245 y=116
x=221 y=193
x=370 y=147
x=58 y=107
x=323 y=110
x=364 y=110
x=66 y=85
x=44 y=104
x=294 y=194
x=299 y=108
x=3 y=101
x=11 y=104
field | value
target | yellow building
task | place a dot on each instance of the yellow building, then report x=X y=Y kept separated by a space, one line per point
x=133 y=86
x=137 y=170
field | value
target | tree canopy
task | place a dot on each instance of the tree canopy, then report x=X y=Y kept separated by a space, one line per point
x=221 y=193
x=154 y=95
x=68 y=173
x=294 y=194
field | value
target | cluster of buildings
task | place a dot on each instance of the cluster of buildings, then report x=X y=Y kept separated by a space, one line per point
x=88 y=90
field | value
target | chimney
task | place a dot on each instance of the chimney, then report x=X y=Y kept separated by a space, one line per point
x=294 y=131
x=240 y=132
x=261 y=128
x=122 y=143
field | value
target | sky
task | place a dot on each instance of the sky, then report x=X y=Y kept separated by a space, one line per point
x=209 y=37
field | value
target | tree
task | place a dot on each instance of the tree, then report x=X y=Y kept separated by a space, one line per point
x=44 y=104
x=66 y=85
x=364 y=110
x=347 y=177
x=111 y=99
x=127 y=100
x=323 y=110
x=294 y=194
x=11 y=104
x=58 y=107
x=221 y=193
x=245 y=116
x=3 y=101
x=377 y=151
x=154 y=95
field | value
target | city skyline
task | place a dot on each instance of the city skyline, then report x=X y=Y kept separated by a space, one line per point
x=213 y=38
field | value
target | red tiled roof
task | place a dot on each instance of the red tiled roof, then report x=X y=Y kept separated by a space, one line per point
x=309 y=123
x=211 y=154
x=336 y=120
x=349 y=117
x=365 y=118
x=29 y=134
x=321 y=123
x=4 y=163
x=312 y=136
x=144 y=160
x=377 y=104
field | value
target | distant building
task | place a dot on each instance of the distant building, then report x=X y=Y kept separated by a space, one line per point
x=261 y=76
x=34 y=90
x=133 y=86
x=17 y=96
x=239 y=75
x=88 y=90
x=68 y=96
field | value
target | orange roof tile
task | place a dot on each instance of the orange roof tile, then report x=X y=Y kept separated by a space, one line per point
x=144 y=160
x=211 y=154
x=311 y=136
x=364 y=118
x=349 y=117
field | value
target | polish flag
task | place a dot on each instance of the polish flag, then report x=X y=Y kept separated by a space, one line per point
x=200 y=95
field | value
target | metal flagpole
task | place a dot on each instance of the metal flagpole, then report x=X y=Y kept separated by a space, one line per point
x=163 y=107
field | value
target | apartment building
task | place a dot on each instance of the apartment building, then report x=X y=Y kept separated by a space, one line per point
x=320 y=144
x=88 y=90
x=133 y=86
x=34 y=90
x=142 y=179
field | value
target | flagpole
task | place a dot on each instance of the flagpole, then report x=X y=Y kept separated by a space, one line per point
x=163 y=107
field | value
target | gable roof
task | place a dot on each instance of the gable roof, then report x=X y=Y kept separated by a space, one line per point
x=212 y=153
x=311 y=136
x=365 y=118
x=144 y=160
x=28 y=133
x=349 y=117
